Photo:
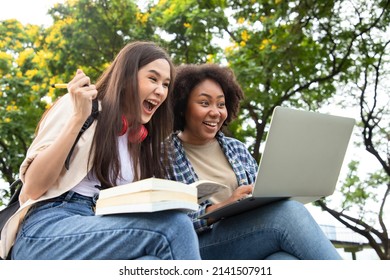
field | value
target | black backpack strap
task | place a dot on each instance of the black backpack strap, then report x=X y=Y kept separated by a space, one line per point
x=13 y=204
x=94 y=114
x=18 y=186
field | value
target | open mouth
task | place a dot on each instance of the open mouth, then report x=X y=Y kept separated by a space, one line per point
x=149 y=105
x=211 y=124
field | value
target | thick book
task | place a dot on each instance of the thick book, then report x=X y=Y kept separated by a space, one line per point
x=154 y=194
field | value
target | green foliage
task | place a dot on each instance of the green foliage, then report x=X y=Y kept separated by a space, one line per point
x=22 y=88
x=190 y=26
x=287 y=54
x=88 y=34
x=355 y=191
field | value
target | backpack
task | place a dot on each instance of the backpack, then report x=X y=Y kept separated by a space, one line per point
x=13 y=204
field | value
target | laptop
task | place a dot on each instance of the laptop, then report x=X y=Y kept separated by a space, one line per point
x=302 y=159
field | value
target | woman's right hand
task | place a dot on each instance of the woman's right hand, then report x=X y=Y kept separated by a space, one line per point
x=82 y=93
x=240 y=193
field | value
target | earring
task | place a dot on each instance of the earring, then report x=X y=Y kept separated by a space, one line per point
x=134 y=137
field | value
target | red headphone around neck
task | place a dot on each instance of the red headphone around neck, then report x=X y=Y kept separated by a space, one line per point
x=135 y=137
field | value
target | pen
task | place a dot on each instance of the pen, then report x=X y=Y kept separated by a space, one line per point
x=59 y=85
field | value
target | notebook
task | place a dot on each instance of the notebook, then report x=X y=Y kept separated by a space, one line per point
x=302 y=159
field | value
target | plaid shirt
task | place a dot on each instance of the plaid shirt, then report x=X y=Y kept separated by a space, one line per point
x=242 y=162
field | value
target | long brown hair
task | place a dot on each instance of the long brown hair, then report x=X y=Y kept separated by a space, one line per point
x=118 y=92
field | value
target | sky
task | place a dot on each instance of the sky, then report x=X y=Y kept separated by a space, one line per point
x=35 y=12
x=27 y=11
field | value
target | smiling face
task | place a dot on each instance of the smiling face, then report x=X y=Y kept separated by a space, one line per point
x=153 y=83
x=205 y=114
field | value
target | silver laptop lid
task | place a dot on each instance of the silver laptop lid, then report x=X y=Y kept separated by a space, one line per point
x=303 y=154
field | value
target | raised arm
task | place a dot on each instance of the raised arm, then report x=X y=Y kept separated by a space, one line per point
x=47 y=165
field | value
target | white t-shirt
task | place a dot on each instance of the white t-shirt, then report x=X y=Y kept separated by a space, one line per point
x=87 y=185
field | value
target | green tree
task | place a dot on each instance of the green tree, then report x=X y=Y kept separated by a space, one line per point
x=88 y=34
x=371 y=95
x=23 y=89
x=190 y=27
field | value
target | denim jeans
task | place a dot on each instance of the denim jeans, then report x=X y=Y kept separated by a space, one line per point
x=283 y=230
x=67 y=228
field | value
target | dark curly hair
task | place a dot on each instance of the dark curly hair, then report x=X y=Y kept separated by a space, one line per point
x=188 y=76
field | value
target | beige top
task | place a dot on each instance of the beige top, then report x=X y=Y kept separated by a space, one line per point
x=210 y=163
x=49 y=128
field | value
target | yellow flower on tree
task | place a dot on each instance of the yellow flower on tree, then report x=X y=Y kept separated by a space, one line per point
x=35 y=88
x=230 y=49
x=50 y=94
x=264 y=43
x=32 y=97
x=245 y=36
x=23 y=56
x=31 y=73
x=11 y=108
x=142 y=17
x=241 y=20
x=210 y=58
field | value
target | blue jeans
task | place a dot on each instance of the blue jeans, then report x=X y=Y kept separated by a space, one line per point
x=67 y=228
x=283 y=230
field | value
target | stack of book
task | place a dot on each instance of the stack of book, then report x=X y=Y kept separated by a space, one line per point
x=153 y=194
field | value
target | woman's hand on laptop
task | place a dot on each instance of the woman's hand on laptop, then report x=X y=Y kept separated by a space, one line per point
x=241 y=192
